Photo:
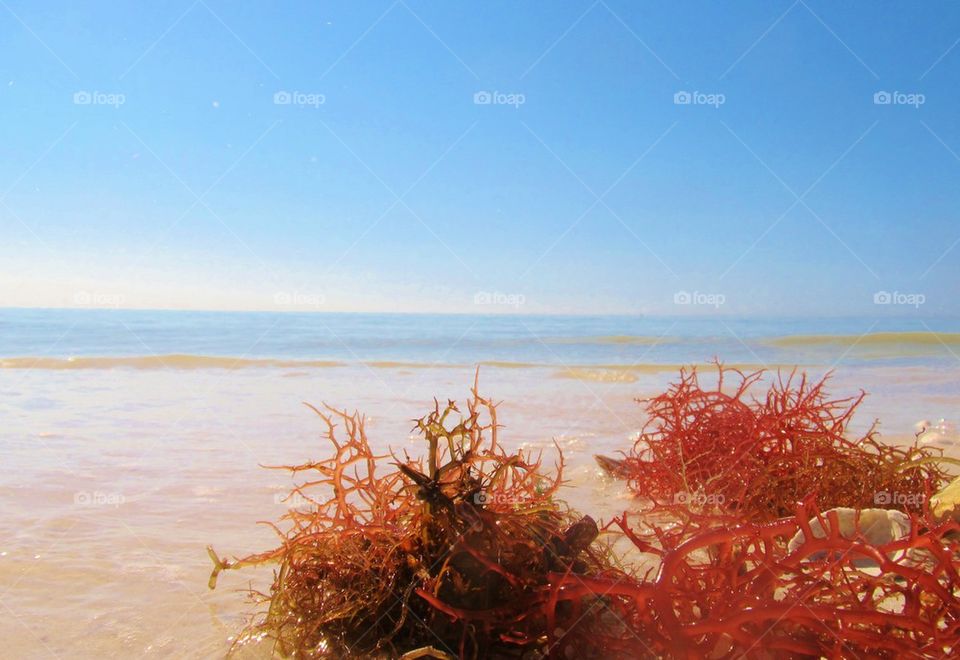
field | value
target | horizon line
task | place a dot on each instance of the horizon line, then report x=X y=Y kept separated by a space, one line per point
x=637 y=315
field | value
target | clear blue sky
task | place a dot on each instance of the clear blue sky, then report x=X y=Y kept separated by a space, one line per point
x=199 y=191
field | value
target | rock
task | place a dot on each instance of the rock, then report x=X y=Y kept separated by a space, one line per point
x=614 y=467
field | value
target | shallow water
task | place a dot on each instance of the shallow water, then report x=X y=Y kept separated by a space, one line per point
x=118 y=475
x=179 y=339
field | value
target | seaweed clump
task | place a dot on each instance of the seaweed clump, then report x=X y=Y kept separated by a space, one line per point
x=722 y=449
x=468 y=553
x=462 y=557
x=809 y=585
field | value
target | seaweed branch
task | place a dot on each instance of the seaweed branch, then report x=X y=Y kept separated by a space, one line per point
x=461 y=556
x=722 y=448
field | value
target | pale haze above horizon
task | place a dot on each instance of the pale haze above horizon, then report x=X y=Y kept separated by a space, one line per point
x=775 y=158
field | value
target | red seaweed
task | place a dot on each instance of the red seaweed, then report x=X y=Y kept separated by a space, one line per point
x=454 y=558
x=727 y=590
x=719 y=447
x=469 y=553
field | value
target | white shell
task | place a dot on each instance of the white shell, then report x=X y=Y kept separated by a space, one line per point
x=875 y=526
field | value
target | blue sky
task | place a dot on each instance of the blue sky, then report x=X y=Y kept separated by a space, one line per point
x=146 y=161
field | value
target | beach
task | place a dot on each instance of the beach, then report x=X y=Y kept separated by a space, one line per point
x=132 y=440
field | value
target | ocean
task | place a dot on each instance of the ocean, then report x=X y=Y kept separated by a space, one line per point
x=133 y=439
x=182 y=339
